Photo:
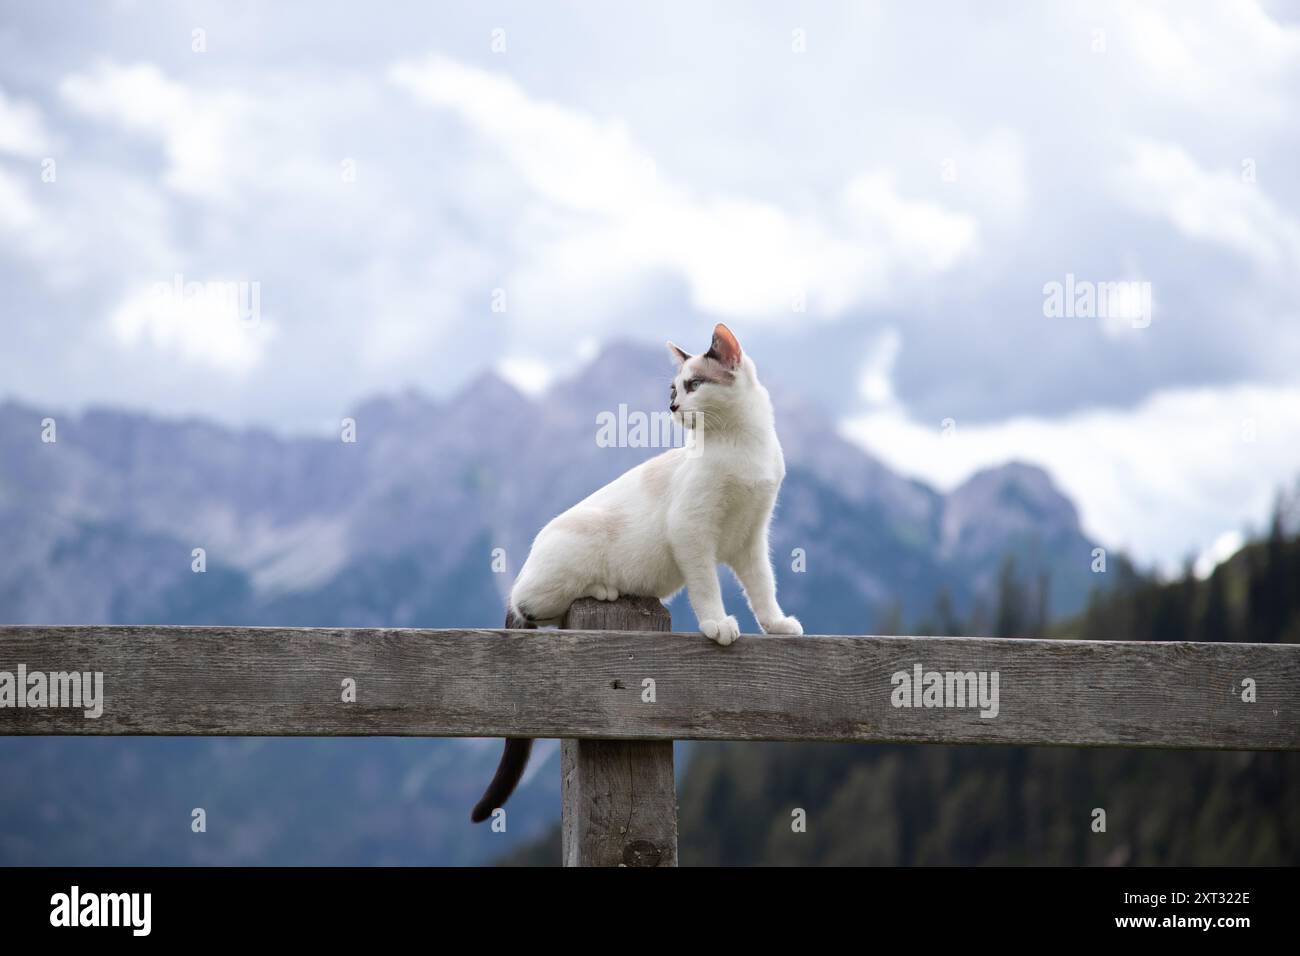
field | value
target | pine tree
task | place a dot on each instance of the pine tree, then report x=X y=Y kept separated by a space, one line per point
x=946 y=621
x=1012 y=613
x=1214 y=624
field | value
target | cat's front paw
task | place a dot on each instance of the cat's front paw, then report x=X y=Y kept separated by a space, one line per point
x=783 y=625
x=724 y=631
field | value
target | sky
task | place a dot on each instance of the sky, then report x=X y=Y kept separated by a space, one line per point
x=1060 y=233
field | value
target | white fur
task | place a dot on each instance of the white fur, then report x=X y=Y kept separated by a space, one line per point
x=670 y=521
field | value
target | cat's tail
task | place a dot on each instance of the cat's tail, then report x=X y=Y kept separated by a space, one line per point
x=513 y=759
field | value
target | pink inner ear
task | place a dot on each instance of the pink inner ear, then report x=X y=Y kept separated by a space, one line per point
x=725 y=348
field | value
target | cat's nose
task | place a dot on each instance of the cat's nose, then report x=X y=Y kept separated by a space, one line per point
x=672 y=406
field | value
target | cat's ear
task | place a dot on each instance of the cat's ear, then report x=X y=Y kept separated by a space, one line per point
x=678 y=355
x=725 y=348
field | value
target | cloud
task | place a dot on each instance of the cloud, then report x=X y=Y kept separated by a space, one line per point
x=1183 y=467
x=276 y=189
x=231 y=147
x=1185 y=49
x=1162 y=180
x=208 y=138
x=611 y=214
x=531 y=376
x=23 y=134
x=875 y=382
x=22 y=129
x=18 y=212
x=215 y=324
x=1223 y=547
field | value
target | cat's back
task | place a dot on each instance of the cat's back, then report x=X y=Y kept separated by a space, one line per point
x=641 y=488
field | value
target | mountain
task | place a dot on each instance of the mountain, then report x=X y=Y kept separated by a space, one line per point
x=401 y=528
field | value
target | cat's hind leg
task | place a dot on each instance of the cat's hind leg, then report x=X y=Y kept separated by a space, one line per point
x=543 y=598
x=564 y=564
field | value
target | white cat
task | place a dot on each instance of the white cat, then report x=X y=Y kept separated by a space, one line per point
x=668 y=523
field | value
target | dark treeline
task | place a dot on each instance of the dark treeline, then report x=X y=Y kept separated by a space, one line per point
x=907 y=805
x=1254 y=596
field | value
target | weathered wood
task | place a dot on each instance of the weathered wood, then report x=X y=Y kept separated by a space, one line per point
x=619 y=803
x=587 y=684
x=628 y=613
x=619 y=797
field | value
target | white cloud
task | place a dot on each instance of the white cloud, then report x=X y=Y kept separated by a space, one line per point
x=531 y=376
x=22 y=129
x=210 y=326
x=612 y=215
x=17 y=210
x=23 y=134
x=235 y=148
x=290 y=189
x=1215 y=207
x=1158 y=479
x=1224 y=546
x=208 y=138
x=1186 y=50
x=875 y=381
x=922 y=235
x=983 y=171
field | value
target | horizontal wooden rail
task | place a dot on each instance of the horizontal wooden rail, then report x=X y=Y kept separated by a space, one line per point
x=656 y=686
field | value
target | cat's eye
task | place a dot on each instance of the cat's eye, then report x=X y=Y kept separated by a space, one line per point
x=693 y=384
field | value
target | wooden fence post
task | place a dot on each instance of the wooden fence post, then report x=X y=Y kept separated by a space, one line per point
x=619 y=799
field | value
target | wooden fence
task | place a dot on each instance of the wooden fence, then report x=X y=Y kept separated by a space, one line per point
x=618 y=687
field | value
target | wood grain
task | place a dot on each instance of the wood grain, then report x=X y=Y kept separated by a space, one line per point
x=619 y=803
x=619 y=797
x=587 y=684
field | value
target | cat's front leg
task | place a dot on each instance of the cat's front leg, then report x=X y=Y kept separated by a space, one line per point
x=754 y=569
x=700 y=572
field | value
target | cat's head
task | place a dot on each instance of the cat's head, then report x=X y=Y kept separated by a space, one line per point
x=713 y=389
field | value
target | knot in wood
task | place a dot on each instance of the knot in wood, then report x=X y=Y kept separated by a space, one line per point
x=642 y=853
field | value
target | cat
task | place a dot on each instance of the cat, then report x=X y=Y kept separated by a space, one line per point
x=669 y=522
